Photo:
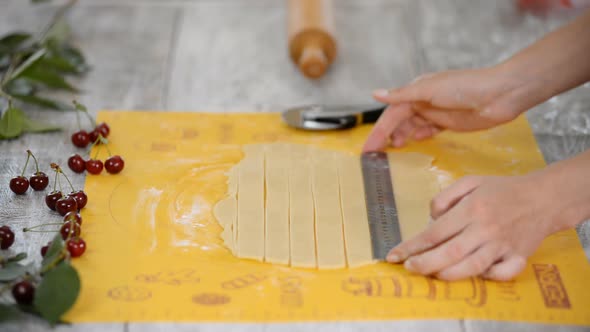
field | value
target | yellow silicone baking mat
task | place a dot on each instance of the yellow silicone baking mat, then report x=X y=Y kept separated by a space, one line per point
x=155 y=253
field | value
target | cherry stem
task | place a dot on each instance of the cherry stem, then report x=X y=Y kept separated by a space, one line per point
x=59 y=183
x=105 y=143
x=57 y=259
x=98 y=147
x=31 y=229
x=26 y=164
x=35 y=159
x=65 y=176
x=91 y=119
x=55 y=181
x=78 y=120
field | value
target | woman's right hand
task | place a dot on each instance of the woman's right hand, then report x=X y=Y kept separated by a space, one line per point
x=461 y=100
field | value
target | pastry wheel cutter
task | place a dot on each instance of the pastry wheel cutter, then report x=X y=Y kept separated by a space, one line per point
x=330 y=117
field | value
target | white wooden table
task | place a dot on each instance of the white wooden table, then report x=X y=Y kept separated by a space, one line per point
x=231 y=55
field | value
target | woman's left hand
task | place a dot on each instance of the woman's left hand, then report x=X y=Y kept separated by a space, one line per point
x=484 y=226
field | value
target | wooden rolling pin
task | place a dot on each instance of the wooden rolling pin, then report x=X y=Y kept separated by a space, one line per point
x=312 y=45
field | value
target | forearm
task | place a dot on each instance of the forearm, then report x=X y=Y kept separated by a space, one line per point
x=567 y=186
x=558 y=62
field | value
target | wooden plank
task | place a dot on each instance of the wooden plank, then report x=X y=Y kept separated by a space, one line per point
x=385 y=326
x=485 y=326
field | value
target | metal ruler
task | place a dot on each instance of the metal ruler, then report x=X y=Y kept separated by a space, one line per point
x=380 y=201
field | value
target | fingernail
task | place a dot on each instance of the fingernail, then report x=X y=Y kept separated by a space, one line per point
x=381 y=93
x=409 y=265
x=393 y=258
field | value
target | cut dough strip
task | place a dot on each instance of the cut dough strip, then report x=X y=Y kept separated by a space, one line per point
x=250 y=237
x=357 y=237
x=301 y=208
x=277 y=204
x=328 y=213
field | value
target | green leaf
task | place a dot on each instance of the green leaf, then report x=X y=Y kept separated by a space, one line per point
x=12 y=271
x=53 y=252
x=47 y=77
x=31 y=60
x=34 y=126
x=57 y=292
x=11 y=42
x=60 y=64
x=18 y=257
x=43 y=102
x=9 y=312
x=69 y=53
x=11 y=123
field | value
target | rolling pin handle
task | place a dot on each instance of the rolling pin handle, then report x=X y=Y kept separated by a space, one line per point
x=313 y=61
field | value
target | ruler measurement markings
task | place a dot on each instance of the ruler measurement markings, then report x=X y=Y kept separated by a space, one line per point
x=380 y=200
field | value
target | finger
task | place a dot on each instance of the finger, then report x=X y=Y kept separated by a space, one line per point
x=449 y=196
x=419 y=91
x=449 y=253
x=506 y=269
x=422 y=133
x=473 y=265
x=419 y=121
x=402 y=133
x=387 y=123
x=437 y=233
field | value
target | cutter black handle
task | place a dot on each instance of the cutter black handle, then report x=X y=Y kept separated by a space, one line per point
x=371 y=116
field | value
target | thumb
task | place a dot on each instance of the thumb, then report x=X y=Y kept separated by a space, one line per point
x=451 y=195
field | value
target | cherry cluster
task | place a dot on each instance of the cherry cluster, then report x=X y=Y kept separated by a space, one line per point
x=82 y=138
x=38 y=181
x=67 y=206
x=98 y=136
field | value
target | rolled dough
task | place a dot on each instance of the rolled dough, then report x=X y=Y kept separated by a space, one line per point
x=305 y=207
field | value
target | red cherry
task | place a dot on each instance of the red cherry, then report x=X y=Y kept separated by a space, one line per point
x=114 y=164
x=39 y=181
x=103 y=129
x=80 y=197
x=23 y=292
x=94 y=166
x=19 y=185
x=93 y=136
x=67 y=230
x=80 y=138
x=76 y=163
x=44 y=249
x=52 y=198
x=65 y=205
x=76 y=246
x=6 y=237
x=73 y=216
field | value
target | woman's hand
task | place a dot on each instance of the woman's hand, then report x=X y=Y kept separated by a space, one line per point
x=462 y=100
x=467 y=100
x=489 y=226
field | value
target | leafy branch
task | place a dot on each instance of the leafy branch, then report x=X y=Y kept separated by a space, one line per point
x=58 y=283
x=30 y=65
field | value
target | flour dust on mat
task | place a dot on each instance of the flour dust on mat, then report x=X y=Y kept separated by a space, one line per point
x=302 y=206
